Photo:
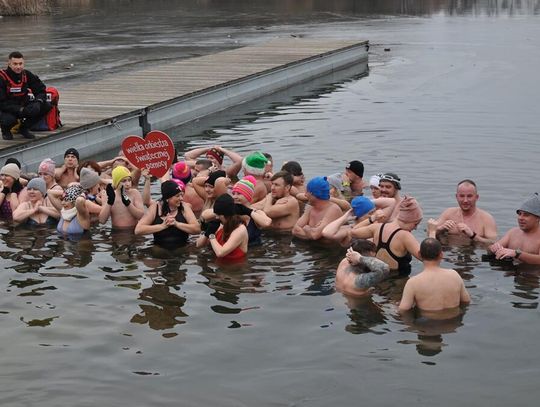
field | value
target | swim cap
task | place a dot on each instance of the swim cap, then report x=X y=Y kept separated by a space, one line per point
x=361 y=206
x=357 y=167
x=38 y=184
x=89 y=178
x=319 y=188
x=72 y=151
x=181 y=171
x=73 y=192
x=169 y=189
x=47 y=166
x=393 y=178
x=374 y=181
x=214 y=176
x=12 y=170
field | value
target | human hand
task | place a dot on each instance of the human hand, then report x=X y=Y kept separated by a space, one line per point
x=123 y=195
x=212 y=227
x=111 y=194
x=379 y=216
x=448 y=225
x=242 y=210
x=495 y=247
x=352 y=256
x=432 y=226
x=503 y=253
x=463 y=228
x=145 y=172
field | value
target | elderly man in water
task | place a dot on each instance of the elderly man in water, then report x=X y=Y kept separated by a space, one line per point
x=435 y=289
x=466 y=219
x=523 y=242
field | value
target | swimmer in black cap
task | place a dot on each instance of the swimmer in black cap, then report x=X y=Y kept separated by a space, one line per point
x=67 y=173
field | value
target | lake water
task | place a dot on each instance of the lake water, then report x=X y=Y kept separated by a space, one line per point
x=113 y=321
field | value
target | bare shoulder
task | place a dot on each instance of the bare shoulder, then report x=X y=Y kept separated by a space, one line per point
x=486 y=216
x=450 y=214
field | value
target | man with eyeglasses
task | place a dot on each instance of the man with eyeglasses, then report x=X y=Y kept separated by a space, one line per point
x=466 y=219
x=523 y=242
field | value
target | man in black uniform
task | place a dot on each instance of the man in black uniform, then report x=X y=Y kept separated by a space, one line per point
x=22 y=96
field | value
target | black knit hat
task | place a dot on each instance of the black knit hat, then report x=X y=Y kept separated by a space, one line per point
x=214 y=176
x=224 y=205
x=169 y=189
x=72 y=151
x=357 y=167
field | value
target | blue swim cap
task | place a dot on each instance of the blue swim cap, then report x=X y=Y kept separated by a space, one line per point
x=361 y=205
x=319 y=188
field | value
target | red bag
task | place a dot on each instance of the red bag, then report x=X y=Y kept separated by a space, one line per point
x=51 y=121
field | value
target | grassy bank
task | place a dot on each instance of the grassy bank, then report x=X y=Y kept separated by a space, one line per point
x=23 y=7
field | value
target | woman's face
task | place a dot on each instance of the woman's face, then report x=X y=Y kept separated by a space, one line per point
x=67 y=204
x=34 y=194
x=239 y=199
x=175 y=201
x=209 y=189
x=48 y=178
x=7 y=180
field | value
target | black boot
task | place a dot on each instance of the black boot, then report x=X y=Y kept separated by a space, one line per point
x=23 y=131
x=6 y=133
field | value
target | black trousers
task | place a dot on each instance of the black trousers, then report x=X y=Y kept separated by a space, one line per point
x=8 y=119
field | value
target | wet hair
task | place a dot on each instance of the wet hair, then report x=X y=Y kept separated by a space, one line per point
x=89 y=163
x=292 y=167
x=430 y=249
x=364 y=247
x=205 y=162
x=287 y=177
x=15 y=54
x=467 y=181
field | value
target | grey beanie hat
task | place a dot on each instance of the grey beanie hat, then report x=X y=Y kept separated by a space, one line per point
x=37 y=184
x=531 y=205
x=88 y=178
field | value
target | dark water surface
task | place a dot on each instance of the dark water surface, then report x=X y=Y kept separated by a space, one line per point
x=113 y=321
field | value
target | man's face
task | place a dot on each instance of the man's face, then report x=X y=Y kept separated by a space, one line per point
x=126 y=183
x=16 y=64
x=388 y=189
x=351 y=175
x=466 y=197
x=71 y=161
x=527 y=221
x=279 y=189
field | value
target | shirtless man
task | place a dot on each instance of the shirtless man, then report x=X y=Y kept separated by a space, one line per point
x=522 y=242
x=352 y=182
x=467 y=219
x=122 y=203
x=435 y=288
x=279 y=204
x=67 y=173
x=360 y=270
x=320 y=212
x=389 y=186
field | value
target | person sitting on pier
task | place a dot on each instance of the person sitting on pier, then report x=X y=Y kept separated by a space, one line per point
x=22 y=97
x=216 y=155
x=67 y=173
x=360 y=270
x=435 y=289
x=122 y=203
x=319 y=213
x=12 y=193
x=170 y=220
x=37 y=210
x=254 y=165
x=242 y=193
x=523 y=242
x=466 y=219
x=74 y=217
x=395 y=243
x=279 y=204
x=228 y=236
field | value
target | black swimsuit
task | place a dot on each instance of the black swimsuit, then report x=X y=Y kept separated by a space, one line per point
x=404 y=262
x=172 y=236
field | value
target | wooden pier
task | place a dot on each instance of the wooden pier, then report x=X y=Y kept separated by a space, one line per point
x=98 y=115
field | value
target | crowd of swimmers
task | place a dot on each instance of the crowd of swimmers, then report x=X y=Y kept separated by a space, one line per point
x=199 y=199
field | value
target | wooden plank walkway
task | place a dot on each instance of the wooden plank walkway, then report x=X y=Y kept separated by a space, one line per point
x=124 y=92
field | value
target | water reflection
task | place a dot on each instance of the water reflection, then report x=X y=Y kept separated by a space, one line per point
x=365 y=314
x=430 y=328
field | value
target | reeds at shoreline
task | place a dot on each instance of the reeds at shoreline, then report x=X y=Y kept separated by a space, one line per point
x=23 y=7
